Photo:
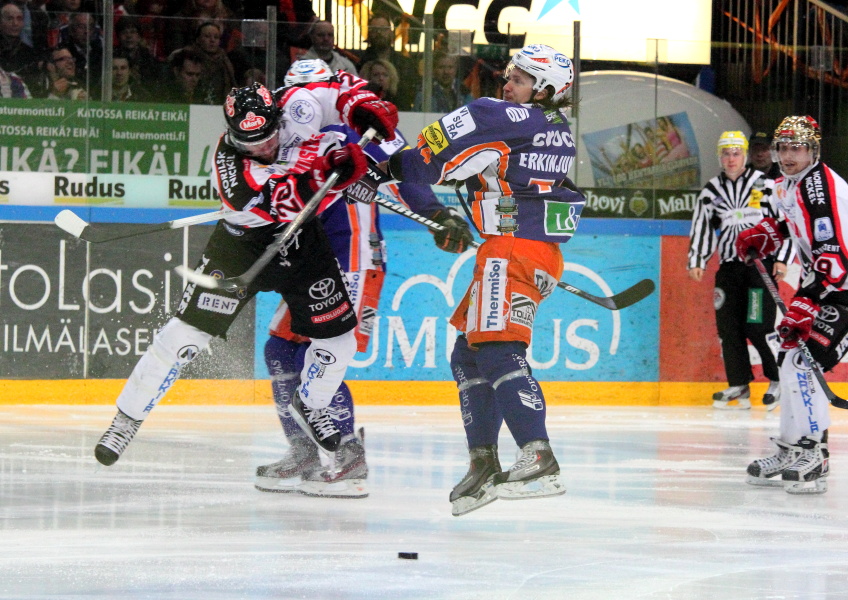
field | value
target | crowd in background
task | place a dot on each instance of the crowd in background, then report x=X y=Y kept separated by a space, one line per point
x=195 y=51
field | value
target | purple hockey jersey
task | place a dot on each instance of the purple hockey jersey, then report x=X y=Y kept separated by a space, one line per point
x=513 y=158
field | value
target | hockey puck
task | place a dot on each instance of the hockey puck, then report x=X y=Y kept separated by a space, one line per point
x=408 y=555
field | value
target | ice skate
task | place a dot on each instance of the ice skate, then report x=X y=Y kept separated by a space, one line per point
x=767 y=471
x=808 y=474
x=116 y=439
x=771 y=399
x=736 y=397
x=476 y=489
x=345 y=477
x=535 y=475
x=316 y=423
x=287 y=474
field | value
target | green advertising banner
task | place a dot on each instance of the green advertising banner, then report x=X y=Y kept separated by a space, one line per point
x=135 y=155
x=153 y=156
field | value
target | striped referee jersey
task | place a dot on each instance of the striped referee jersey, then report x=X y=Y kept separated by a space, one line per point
x=727 y=207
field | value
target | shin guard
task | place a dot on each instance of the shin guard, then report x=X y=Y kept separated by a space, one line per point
x=173 y=347
x=480 y=414
x=324 y=369
x=517 y=393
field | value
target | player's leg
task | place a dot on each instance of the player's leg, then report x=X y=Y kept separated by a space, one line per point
x=512 y=276
x=284 y=359
x=731 y=302
x=482 y=421
x=802 y=463
x=321 y=310
x=356 y=243
x=200 y=316
x=522 y=403
x=173 y=347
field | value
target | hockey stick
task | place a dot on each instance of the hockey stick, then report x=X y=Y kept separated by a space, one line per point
x=233 y=284
x=628 y=297
x=69 y=222
x=805 y=350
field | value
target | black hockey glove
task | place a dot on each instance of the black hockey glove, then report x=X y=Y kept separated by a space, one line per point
x=456 y=236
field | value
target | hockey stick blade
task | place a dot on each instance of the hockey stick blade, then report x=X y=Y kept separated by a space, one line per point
x=70 y=223
x=233 y=284
x=802 y=346
x=628 y=297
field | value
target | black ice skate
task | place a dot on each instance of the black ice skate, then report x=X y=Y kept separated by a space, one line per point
x=736 y=397
x=767 y=471
x=116 y=439
x=287 y=474
x=535 y=475
x=771 y=399
x=316 y=423
x=345 y=477
x=808 y=474
x=476 y=489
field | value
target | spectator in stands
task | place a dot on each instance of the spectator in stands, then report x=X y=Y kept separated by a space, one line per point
x=82 y=36
x=182 y=29
x=125 y=87
x=144 y=65
x=382 y=79
x=760 y=151
x=153 y=26
x=448 y=92
x=323 y=36
x=59 y=77
x=218 y=76
x=12 y=86
x=381 y=44
x=181 y=86
x=16 y=56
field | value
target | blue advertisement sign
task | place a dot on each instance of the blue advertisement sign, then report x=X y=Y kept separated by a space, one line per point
x=574 y=340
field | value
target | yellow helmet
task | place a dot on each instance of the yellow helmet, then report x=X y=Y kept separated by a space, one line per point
x=732 y=139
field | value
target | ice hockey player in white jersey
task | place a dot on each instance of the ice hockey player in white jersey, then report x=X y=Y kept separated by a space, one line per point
x=814 y=200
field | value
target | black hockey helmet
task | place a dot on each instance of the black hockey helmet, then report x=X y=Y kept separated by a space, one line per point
x=253 y=118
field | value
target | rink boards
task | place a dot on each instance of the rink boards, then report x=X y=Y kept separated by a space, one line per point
x=661 y=351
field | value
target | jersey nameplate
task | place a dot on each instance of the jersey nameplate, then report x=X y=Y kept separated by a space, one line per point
x=459 y=123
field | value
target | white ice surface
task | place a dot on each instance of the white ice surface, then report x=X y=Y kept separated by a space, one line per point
x=657 y=508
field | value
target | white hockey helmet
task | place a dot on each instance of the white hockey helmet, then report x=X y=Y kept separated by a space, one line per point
x=547 y=66
x=308 y=71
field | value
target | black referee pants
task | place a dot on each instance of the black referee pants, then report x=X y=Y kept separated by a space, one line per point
x=744 y=311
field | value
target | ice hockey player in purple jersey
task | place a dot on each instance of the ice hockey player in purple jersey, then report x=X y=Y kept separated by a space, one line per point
x=513 y=156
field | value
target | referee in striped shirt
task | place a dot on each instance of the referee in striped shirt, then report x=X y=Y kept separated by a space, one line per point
x=739 y=198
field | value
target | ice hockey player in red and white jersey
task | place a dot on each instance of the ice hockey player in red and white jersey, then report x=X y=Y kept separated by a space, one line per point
x=814 y=200
x=263 y=193
x=513 y=156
